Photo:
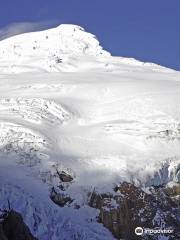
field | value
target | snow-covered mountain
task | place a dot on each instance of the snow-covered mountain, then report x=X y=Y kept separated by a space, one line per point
x=67 y=105
x=66 y=48
x=51 y=50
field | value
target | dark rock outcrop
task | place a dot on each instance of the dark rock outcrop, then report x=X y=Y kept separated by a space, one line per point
x=173 y=192
x=65 y=177
x=60 y=198
x=2 y=234
x=130 y=207
x=12 y=227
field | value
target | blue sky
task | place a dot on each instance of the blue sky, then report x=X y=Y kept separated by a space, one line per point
x=146 y=30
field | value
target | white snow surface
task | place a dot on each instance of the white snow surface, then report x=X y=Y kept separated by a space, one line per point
x=66 y=103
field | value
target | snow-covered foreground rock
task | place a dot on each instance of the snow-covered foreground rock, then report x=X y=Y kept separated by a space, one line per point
x=67 y=105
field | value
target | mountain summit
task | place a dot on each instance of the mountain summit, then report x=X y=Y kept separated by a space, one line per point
x=45 y=50
x=66 y=48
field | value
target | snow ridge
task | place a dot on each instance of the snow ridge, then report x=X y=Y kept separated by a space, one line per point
x=45 y=50
x=66 y=48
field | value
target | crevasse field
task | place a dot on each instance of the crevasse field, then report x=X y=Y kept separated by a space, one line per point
x=67 y=103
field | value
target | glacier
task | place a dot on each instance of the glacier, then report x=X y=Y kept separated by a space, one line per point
x=67 y=104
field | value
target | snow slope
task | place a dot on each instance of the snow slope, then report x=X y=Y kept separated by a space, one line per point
x=66 y=48
x=71 y=105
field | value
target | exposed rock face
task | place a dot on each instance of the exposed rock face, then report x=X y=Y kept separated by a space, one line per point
x=59 y=198
x=59 y=195
x=13 y=227
x=173 y=192
x=2 y=235
x=65 y=177
x=131 y=207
